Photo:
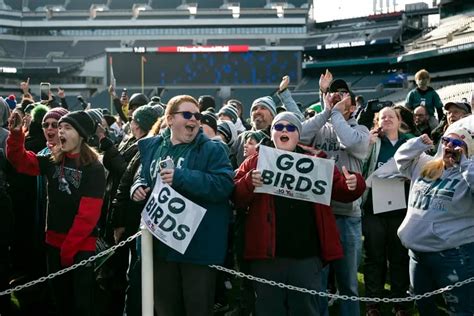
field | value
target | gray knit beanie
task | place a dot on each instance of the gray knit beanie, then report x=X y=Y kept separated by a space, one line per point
x=267 y=102
x=290 y=118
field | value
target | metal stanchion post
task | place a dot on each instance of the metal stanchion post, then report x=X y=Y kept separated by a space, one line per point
x=147 y=273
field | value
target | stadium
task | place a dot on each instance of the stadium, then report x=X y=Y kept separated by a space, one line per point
x=234 y=51
x=230 y=49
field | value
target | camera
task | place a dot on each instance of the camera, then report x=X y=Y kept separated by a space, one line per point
x=375 y=105
x=167 y=164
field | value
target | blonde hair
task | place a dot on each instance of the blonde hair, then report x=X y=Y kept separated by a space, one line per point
x=433 y=169
x=422 y=74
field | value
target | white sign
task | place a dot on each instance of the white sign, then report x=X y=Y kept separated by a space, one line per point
x=171 y=217
x=295 y=176
x=388 y=194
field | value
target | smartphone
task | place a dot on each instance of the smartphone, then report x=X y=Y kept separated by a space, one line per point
x=45 y=88
x=167 y=164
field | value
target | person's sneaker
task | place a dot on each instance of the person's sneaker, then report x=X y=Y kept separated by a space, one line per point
x=373 y=310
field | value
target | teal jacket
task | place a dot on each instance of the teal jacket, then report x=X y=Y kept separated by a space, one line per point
x=206 y=178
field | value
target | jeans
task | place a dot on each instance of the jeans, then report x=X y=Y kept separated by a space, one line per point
x=350 y=229
x=433 y=270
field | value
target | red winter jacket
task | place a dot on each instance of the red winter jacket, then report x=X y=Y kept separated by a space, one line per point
x=260 y=220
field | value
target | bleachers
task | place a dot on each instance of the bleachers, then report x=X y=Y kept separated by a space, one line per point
x=14 y=4
x=236 y=41
x=90 y=48
x=298 y=3
x=124 y=4
x=292 y=41
x=368 y=82
x=248 y=95
x=456 y=92
x=168 y=93
x=33 y=5
x=165 y=4
x=157 y=43
x=252 y=3
x=209 y=4
x=41 y=49
x=13 y=49
x=83 y=4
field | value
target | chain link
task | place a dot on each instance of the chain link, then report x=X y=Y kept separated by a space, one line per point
x=343 y=297
x=246 y=276
x=74 y=266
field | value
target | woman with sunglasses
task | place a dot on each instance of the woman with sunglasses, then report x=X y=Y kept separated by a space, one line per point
x=76 y=184
x=439 y=227
x=288 y=240
x=184 y=283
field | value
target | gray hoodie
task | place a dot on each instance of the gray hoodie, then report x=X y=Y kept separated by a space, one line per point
x=344 y=141
x=440 y=212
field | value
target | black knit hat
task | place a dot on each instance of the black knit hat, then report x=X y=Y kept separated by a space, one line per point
x=209 y=119
x=137 y=99
x=230 y=112
x=81 y=121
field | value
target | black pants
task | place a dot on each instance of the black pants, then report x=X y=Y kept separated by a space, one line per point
x=183 y=288
x=381 y=244
x=73 y=292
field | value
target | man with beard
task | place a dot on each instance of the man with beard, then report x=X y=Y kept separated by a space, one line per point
x=262 y=112
x=454 y=112
x=422 y=120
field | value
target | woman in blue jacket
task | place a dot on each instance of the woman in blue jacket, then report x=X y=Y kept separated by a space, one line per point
x=184 y=284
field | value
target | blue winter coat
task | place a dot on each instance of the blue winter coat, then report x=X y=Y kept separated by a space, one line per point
x=206 y=178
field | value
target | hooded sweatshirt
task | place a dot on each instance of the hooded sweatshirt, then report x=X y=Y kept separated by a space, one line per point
x=344 y=141
x=440 y=212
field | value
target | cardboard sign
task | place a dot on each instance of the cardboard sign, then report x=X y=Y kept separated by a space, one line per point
x=295 y=176
x=171 y=217
x=388 y=194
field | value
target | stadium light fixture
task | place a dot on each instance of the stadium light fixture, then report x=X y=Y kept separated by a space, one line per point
x=234 y=8
x=137 y=8
x=280 y=9
x=97 y=8
x=192 y=7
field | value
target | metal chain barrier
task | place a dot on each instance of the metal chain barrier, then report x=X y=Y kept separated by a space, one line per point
x=249 y=277
x=74 y=266
x=343 y=297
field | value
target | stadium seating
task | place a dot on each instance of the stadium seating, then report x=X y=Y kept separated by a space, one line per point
x=252 y=3
x=236 y=41
x=33 y=5
x=123 y=4
x=90 y=48
x=42 y=49
x=14 y=4
x=165 y=4
x=83 y=4
x=14 y=49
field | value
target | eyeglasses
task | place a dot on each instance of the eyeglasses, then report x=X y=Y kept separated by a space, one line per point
x=455 y=142
x=187 y=115
x=289 y=128
x=52 y=124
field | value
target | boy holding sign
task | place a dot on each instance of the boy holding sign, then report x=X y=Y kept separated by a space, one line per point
x=287 y=239
x=202 y=174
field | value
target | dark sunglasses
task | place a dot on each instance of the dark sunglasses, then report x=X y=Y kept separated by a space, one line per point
x=289 y=128
x=188 y=115
x=455 y=142
x=52 y=124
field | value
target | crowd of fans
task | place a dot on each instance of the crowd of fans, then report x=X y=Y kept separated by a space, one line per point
x=74 y=183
